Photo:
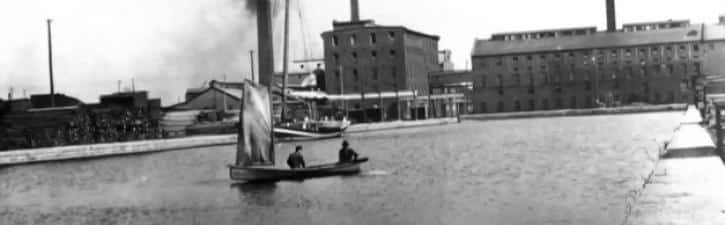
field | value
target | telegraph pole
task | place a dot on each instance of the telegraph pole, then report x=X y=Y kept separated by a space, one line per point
x=50 y=64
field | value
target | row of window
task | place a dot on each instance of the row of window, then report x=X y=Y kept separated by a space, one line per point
x=558 y=103
x=355 y=56
x=547 y=78
x=353 y=39
x=599 y=56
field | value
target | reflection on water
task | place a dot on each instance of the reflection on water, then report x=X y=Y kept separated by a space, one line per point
x=257 y=193
x=575 y=170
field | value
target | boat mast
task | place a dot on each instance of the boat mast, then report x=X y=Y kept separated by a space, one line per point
x=285 y=60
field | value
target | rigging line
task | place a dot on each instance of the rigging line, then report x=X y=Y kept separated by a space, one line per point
x=303 y=31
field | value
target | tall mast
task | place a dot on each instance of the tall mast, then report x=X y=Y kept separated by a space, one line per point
x=285 y=60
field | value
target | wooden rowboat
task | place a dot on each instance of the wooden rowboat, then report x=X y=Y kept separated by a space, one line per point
x=255 y=158
x=251 y=174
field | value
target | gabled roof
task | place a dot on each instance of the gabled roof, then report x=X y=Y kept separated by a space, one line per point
x=599 y=40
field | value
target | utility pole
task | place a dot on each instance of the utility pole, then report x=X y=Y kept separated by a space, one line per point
x=284 y=60
x=50 y=64
x=251 y=65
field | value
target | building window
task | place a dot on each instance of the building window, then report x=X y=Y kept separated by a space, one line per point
x=670 y=69
x=374 y=54
x=613 y=55
x=529 y=58
x=532 y=105
x=499 y=62
x=572 y=103
x=392 y=53
x=517 y=80
x=483 y=80
x=391 y=35
x=354 y=57
x=515 y=59
x=353 y=40
x=394 y=72
x=355 y=76
x=336 y=57
x=373 y=39
x=559 y=103
x=500 y=107
x=697 y=68
x=335 y=41
x=375 y=73
x=499 y=81
x=642 y=52
x=695 y=48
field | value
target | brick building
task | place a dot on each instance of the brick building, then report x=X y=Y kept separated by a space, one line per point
x=363 y=57
x=652 y=63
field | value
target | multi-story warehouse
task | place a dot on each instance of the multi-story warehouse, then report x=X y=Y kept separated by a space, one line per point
x=573 y=68
x=364 y=59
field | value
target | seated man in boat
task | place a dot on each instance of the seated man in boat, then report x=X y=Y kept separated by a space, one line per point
x=346 y=153
x=295 y=160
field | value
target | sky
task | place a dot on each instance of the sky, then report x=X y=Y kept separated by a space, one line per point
x=167 y=46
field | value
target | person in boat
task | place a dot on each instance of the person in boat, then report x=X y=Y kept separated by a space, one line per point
x=295 y=160
x=346 y=153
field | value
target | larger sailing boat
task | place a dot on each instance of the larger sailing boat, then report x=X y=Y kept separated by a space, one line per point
x=255 y=158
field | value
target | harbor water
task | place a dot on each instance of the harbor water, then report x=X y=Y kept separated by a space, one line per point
x=567 y=170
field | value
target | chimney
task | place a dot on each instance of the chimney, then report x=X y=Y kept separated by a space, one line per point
x=354 y=11
x=611 y=17
x=264 y=43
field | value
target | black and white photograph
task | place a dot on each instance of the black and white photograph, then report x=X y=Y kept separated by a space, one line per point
x=362 y=112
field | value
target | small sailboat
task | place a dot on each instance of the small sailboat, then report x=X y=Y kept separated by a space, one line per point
x=255 y=157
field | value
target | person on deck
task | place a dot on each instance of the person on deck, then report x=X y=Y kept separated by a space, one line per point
x=346 y=153
x=295 y=160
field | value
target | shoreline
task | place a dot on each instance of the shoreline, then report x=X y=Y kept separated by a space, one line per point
x=576 y=112
x=36 y=155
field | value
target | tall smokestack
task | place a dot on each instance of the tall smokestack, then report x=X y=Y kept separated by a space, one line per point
x=264 y=41
x=611 y=17
x=354 y=11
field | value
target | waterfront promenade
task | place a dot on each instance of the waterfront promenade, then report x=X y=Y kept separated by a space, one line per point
x=687 y=185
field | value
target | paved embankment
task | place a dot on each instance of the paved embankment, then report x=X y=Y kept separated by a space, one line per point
x=687 y=185
x=577 y=112
x=110 y=149
x=364 y=127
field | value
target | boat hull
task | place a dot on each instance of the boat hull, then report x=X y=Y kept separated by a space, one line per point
x=276 y=174
x=298 y=135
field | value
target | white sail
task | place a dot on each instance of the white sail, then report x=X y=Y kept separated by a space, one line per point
x=255 y=145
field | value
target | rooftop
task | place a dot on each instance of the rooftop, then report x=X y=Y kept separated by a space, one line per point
x=599 y=40
x=370 y=24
